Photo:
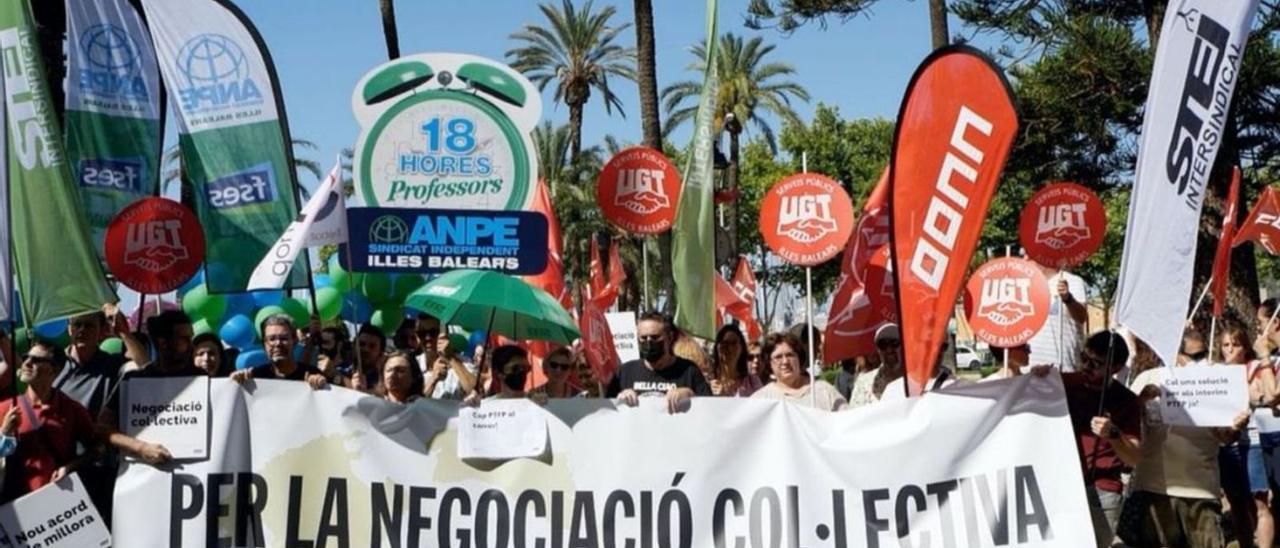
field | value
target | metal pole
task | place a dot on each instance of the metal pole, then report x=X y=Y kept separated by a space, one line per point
x=808 y=320
x=644 y=257
x=1213 y=329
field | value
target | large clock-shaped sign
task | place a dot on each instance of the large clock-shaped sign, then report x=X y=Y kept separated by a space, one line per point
x=445 y=130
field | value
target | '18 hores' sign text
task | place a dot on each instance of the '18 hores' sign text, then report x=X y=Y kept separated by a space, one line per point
x=1202 y=109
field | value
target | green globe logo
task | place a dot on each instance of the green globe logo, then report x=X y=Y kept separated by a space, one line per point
x=388 y=229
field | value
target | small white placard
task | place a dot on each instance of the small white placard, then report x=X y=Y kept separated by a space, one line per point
x=58 y=515
x=1203 y=395
x=173 y=412
x=502 y=429
x=623 y=327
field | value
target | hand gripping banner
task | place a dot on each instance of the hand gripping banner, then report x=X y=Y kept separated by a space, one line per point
x=956 y=127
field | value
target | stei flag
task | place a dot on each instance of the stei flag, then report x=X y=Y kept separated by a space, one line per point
x=956 y=127
x=232 y=132
x=693 y=251
x=58 y=273
x=1196 y=68
x=114 y=109
x=323 y=222
x=1222 y=259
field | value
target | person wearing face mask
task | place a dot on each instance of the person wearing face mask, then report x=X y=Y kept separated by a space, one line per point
x=511 y=364
x=658 y=373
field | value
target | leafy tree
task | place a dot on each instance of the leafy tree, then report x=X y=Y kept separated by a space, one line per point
x=749 y=87
x=576 y=50
x=788 y=15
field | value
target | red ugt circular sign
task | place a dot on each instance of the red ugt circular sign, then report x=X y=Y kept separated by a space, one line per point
x=154 y=245
x=806 y=219
x=638 y=191
x=1062 y=225
x=1007 y=301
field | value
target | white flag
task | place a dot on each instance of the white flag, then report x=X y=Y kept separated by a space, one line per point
x=1196 y=68
x=323 y=222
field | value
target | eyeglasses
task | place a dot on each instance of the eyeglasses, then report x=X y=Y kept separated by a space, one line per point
x=784 y=357
x=562 y=366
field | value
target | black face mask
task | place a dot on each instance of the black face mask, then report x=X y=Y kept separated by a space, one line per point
x=652 y=351
x=515 y=381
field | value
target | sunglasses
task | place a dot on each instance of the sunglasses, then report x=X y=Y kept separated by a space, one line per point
x=428 y=333
x=889 y=344
x=562 y=366
x=37 y=359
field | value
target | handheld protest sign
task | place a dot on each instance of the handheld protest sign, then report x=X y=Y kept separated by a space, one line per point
x=638 y=191
x=154 y=245
x=57 y=515
x=1062 y=225
x=445 y=130
x=1007 y=301
x=806 y=219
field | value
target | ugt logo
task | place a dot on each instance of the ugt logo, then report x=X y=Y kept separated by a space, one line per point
x=112 y=66
x=640 y=191
x=155 y=246
x=806 y=218
x=217 y=74
x=1006 y=301
x=1062 y=226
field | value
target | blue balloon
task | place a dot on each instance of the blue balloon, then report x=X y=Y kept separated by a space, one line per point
x=266 y=298
x=322 y=280
x=52 y=330
x=195 y=280
x=240 y=303
x=477 y=339
x=251 y=358
x=219 y=273
x=356 y=308
x=238 y=332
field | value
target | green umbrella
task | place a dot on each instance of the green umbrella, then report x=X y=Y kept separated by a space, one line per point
x=497 y=303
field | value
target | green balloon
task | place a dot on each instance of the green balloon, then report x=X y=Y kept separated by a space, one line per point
x=296 y=309
x=22 y=342
x=201 y=326
x=458 y=343
x=387 y=318
x=329 y=300
x=341 y=278
x=63 y=340
x=405 y=285
x=112 y=346
x=377 y=288
x=264 y=313
x=198 y=303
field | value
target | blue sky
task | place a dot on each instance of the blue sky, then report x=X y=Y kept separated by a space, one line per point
x=322 y=47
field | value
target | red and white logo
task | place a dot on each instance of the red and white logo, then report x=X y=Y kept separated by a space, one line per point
x=806 y=219
x=1007 y=301
x=1062 y=225
x=154 y=245
x=638 y=191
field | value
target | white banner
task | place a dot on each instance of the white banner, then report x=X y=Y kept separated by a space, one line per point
x=1196 y=67
x=173 y=412
x=323 y=222
x=992 y=464
x=58 y=515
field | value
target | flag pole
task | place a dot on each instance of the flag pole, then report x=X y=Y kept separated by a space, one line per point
x=1199 y=301
x=808 y=312
x=644 y=257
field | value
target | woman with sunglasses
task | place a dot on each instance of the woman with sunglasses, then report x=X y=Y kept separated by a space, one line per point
x=557 y=367
x=730 y=374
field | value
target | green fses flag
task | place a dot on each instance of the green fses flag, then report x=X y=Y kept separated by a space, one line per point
x=114 y=110
x=232 y=133
x=58 y=273
x=693 y=253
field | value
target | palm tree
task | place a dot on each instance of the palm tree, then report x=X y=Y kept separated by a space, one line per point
x=578 y=52
x=388 y=9
x=749 y=88
x=650 y=122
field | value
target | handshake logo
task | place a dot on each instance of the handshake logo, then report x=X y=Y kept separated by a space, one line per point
x=1062 y=226
x=640 y=191
x=155 y=246
x=806 y=218
x=1006 y=301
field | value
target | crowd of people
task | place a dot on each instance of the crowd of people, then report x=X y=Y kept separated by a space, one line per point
x=1147 y=483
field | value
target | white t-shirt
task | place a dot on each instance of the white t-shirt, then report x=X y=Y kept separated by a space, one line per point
x=450 y=387
x=1061 y=339
x=895 y=391
x=828 y=398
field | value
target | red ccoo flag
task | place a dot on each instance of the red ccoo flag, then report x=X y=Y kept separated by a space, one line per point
x=604 y=292
x=853 y=318
x=744 y=285
x=956 y=127
x=1263 y=224
x=1222 y=259
x=550 y=280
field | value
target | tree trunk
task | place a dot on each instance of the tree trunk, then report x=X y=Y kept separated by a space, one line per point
x=575 y=133
x=650 y=122
x=731 y=174
x=938 y=23
x=51 y=28
x=1153 y=11
x=388 y=9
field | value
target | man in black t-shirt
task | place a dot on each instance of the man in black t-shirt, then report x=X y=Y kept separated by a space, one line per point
x=279 y=337
x=658 y=372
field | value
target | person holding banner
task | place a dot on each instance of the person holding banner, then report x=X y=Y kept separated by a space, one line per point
x=870 y=385
x=401 y=381
x=1243 y=470
x=511 y=364
x=658 y=373
x=557 y=366
x=788 y=357
x=731 y=376
x=279 y=338
x=209 y=356
x=51 y=427
x=371 y=345
x=1058 y=342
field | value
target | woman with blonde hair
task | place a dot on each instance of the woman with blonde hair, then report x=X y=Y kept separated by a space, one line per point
x=690 y=349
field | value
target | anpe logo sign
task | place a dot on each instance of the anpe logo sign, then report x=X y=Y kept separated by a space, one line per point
x=217 y=75
x=242 y=189
x=424 y=241
x=113 y=67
